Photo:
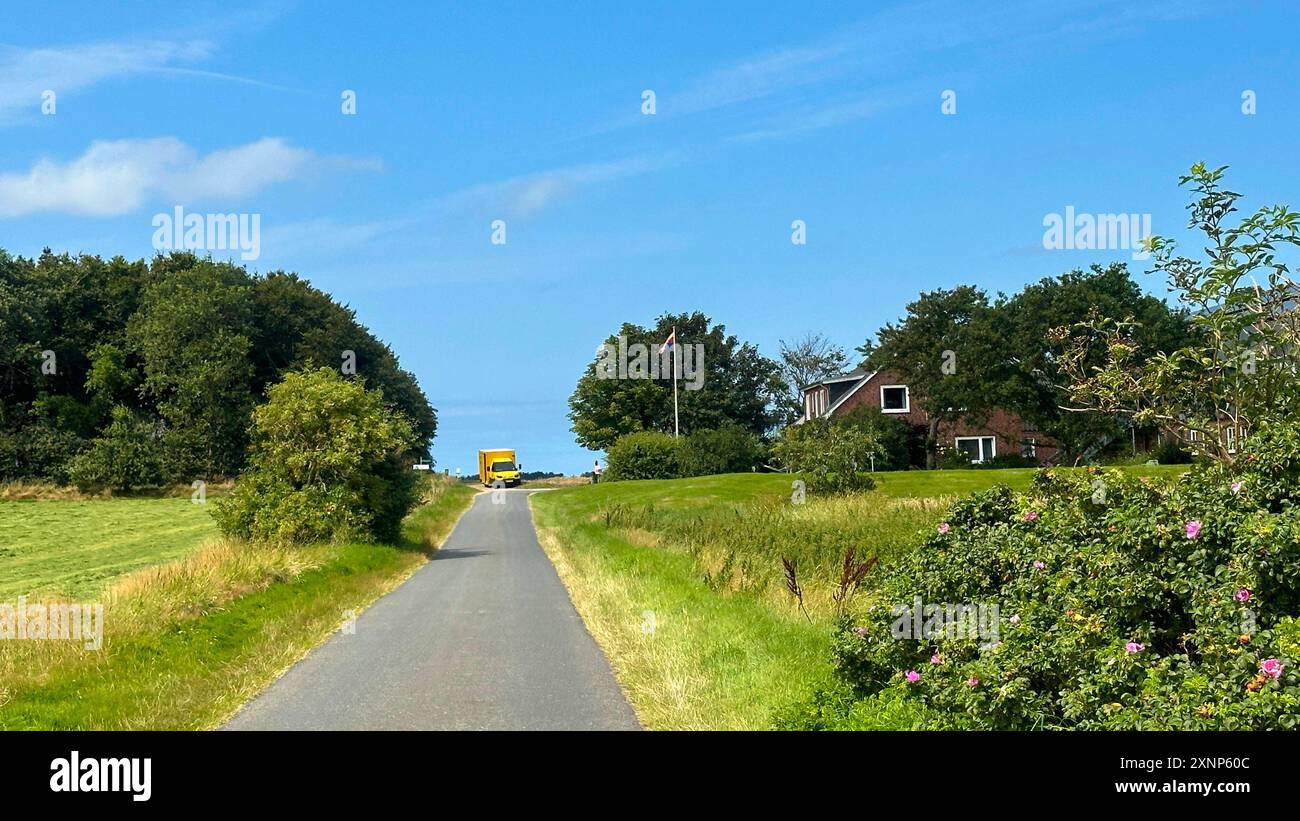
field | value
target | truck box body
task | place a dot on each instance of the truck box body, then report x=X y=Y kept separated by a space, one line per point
x=498 y=463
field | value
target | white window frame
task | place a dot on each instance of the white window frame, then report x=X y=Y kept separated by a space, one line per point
x=980 y=439
x=1028 y=447
x=1230 y=434
x=907 y=399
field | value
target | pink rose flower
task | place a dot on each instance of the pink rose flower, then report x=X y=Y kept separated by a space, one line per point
x=1271 y=668
x=1031 y=516
x=1243 y=595
x=1134 y=647
x=944 y=527
x=861 y=631
x=936 y=659
x=1236 y=487
x=1039 y=564
x=912 y=677
x=1193 y=528
x=972 y=682
x=1015 y=619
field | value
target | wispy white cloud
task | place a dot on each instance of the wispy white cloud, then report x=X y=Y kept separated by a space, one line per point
x=119 y=176
x=25 y=73
x=806 y=119
x=527 y=195
x=764 y=94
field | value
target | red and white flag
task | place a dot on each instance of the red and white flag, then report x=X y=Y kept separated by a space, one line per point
x=669 y=342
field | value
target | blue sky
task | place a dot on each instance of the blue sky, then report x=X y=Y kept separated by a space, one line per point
x=531 y=113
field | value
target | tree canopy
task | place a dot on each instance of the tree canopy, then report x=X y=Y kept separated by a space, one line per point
x=180 y=346
x=736 y=384
x=964 y=355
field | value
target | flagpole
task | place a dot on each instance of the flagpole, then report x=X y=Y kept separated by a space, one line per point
x=676 y=430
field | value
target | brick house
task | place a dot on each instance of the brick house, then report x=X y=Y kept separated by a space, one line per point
x=1001 y=433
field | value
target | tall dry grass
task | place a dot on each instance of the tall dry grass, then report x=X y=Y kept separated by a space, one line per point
x=745 y=547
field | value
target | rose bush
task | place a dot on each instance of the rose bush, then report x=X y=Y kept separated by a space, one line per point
x=1123 y=603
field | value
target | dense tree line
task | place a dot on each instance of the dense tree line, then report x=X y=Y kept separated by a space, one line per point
x=159 y=364
x=965 y=354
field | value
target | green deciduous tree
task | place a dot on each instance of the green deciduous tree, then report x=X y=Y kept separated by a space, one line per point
x=1238 y=372
x=127 y=456
x=737 y=385
x=947 y=353
x=193 y=334
x=328 y=461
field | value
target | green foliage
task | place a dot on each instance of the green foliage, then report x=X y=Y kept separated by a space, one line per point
x=738 y=385
x=1036 y=386
x=728 y=449
x=830 y=457
x=646 y=454
x=1237 y=372
x=1123 y=603
x=39 y=451
x=192 y=334
x=125 y=457
x=328 y=461
x=947 y=352
x=1170 y=452
x=187 y=344
x=963 y=356
x=890 y=433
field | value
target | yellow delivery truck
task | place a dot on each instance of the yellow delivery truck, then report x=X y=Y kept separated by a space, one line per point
x=498 y=464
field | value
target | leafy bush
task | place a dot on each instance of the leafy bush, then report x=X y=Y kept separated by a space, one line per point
x=1123 y=603
x=646 y=454
x=830 y=457
x=38 y=451
x=728 y=449
x=125 y=457
x=1009 y=460
x=890 y=433
x=328 y=461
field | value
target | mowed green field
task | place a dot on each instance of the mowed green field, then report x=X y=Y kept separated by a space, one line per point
x=71 y=549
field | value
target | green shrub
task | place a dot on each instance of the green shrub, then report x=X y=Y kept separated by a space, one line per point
x=1170 y=452
x=646 y=454
x=1122 y=603
x=830 y=457
x=1009 y=460
x=728 y=449
x=890 y=434
x=125 y=457
x=39 y=451
x=328 y=461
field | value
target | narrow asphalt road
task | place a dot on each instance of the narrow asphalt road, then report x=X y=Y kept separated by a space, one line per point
x=483 y=637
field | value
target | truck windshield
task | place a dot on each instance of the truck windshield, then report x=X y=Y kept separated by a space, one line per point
x=498 y=467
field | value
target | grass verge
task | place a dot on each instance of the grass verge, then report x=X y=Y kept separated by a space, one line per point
x=687 y=658
x=185 y=644
x=699 y=561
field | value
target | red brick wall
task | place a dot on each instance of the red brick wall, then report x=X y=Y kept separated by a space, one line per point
x=869 y=395
x=1006 y=427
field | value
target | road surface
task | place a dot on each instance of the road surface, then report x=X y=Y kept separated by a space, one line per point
x=483 y=637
